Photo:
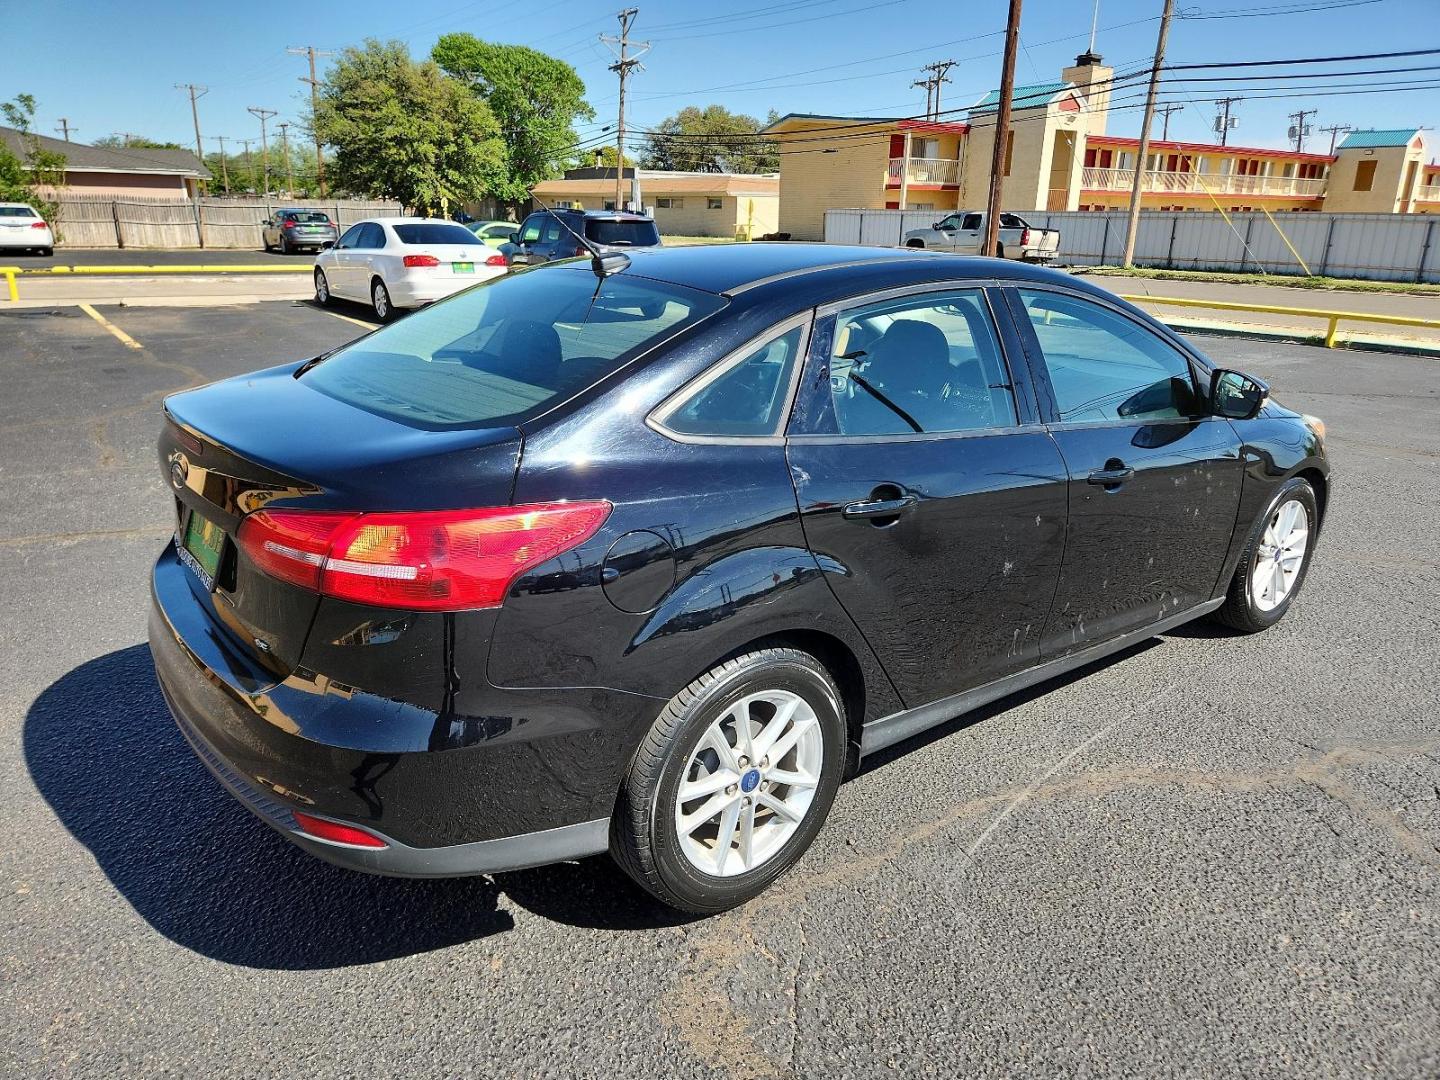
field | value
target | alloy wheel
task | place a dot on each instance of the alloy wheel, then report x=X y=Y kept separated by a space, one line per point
x=322 y=287
x=1280 y=555
x=749 y=783
x=381 y=300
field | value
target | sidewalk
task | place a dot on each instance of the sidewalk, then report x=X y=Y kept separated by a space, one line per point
x=169 y=290
x=1267 y=324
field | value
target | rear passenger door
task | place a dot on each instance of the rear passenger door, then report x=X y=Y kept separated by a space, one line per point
x=927 y=487
x=1154 y=480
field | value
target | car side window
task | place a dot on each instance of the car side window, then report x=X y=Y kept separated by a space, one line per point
x=928 y=363
x=972 y=221
x=530 y=231
x=372 y=237
x=351 y=237
x=551 y=232
x=1104 y=366
x=748 y=397
x=951 y=222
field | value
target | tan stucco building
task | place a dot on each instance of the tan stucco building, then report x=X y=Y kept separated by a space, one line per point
x=1059 y=156
x=744 y=205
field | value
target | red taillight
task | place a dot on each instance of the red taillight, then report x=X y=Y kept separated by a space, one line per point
x=421 y=260
x=431 y=560
x=38 y=225
x=496 y=260
x=1025 y=238
x=289 y=224
x=337 y=833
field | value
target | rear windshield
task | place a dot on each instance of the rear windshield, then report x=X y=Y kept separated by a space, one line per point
x=17 y=211
x=438 y=233
x=308 y=217
x=622 y=233
x=501 y=353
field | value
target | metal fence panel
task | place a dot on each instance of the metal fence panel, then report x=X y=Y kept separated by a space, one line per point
x=1383 y=247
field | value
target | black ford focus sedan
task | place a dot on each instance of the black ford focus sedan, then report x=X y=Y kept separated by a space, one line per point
x=643 y=554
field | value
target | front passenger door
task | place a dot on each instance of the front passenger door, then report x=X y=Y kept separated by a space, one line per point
x=1154 y=480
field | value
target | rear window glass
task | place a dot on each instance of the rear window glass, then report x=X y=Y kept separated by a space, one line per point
x=308 y=217
x=438 y=233
x=503 y=352
x=622 y=233
x=17 y=211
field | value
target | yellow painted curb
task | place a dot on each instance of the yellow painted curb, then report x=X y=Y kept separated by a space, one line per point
x=198 y=268
x=1332 y=318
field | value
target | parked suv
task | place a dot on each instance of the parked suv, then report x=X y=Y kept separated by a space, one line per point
x=543 y=237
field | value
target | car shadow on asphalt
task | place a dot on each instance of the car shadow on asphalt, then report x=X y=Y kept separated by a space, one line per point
x=104 y=752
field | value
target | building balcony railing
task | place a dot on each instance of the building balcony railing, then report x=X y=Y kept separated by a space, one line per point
x=924 y=170
x=1183 y=183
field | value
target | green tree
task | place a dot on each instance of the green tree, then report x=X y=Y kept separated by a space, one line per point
x=585 y=159
x=712 y=139
x=405 y=130
x=536 y=100
x=136 y=142
x=40 y=176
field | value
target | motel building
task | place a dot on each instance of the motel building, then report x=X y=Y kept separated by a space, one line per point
x=1059 y=156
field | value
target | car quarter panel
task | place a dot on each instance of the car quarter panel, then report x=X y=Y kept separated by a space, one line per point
x=718 y=519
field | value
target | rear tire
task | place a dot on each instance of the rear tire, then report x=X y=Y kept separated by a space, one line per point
x=1273 y=566
x=757 y=826
x=380 y=301
x=999 y=251
x=285 y=248
x=46 y=253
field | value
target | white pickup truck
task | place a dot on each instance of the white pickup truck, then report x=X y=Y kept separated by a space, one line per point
x=963 y=232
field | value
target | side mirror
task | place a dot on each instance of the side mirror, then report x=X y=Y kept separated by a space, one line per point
x=327 y=245
x=1235 y=395
x=935 y=225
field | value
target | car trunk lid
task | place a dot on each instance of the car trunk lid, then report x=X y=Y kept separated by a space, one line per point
x=268 y=440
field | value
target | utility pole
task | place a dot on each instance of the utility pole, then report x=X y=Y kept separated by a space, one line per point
x=65 y=127
x=1335 y=131
x=939 y=73
x=312 y=53
x=285 y=150
x=929 y=85
x=224 y=165
x=249 y=163
x=1300 y=128
x=1165 y=111
x=264 y=115
x=195 y=92
x=622 y=67
x=1002 y=130
x=1223 y=120
x=1144 y=151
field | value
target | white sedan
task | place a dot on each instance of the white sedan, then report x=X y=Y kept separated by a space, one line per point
x=403 y=262
x=23 y=229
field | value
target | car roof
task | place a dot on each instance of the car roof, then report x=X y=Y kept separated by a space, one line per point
x=27 y=206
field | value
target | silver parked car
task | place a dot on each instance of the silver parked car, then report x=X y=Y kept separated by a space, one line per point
x=298 y=230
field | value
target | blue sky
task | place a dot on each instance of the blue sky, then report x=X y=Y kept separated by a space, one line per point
x=112 y=68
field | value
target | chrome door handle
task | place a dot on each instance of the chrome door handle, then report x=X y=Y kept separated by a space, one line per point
x=876 y=508
x=1111 y=477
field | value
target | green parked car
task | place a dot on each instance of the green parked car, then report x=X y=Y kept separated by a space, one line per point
x=493 y=233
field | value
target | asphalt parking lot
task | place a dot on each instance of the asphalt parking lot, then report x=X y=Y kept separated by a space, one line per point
x=1210 y=856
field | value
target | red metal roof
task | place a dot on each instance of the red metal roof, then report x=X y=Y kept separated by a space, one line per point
x=1207 y=148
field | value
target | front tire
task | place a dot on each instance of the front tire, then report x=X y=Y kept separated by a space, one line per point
x=732 y=782
x=322 y=287
x=1275 y=560
x=915 y=243
x=380 y=301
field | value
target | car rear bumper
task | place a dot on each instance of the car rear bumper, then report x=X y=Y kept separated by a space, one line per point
x=412 y=292
x=440 y=812
x=20 y=239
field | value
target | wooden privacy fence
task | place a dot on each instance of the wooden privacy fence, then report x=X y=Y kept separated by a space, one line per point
x=91 y=221
x=1381 y=247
